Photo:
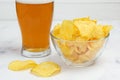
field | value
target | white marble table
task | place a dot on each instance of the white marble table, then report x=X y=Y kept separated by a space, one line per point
x=106 y=67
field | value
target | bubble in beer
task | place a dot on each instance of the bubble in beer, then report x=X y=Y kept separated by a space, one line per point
x=34 y=1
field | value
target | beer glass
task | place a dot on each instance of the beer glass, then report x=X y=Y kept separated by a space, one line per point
x=35 y=17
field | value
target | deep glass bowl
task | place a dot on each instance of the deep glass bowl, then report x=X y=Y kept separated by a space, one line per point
x=79 y=53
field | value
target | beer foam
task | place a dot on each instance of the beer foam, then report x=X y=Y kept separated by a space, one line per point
x=34 y=1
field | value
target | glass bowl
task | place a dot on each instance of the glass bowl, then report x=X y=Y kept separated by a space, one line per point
x=79 y=53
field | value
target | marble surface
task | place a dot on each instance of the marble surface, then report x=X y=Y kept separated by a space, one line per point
x=107 y=66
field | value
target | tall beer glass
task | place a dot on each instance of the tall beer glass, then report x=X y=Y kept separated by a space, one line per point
x=35 y=17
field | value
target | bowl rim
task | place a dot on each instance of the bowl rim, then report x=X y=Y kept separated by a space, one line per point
x=78 y=41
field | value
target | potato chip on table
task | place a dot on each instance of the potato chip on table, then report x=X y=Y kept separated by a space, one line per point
x=18 y=65
x=46 y=69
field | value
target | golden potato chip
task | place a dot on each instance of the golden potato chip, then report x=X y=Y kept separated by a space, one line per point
x=95 y=44
x=82 y=59
x=68 y=29
x=85 y=19
x=65 y=49
x=85 y=28
x=98 y=32
x=106 y=29
x=46 y=69
x=18 y=65
x=56 y=30
x=82 y=19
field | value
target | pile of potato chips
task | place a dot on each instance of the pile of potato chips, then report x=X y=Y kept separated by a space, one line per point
x=80 y=39
x=81 y=29
x=44 y=69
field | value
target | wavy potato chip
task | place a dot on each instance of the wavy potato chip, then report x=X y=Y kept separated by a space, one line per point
x=98 y=33
x=106 y=29
x=46 y=69
x=18 y=65
x=56 y=31
x=68 y=27
x=84 y=19
x=85 y=29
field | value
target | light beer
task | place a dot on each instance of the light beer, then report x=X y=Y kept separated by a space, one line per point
x=35 y=17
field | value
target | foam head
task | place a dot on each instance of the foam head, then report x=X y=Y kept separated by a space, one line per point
x=34 y=1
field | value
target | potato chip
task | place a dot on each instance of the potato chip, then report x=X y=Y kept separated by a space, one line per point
x=68 y=29
x=18 y=65
x=85 y=19
x=106 y=29
x=85 y=28
x=82 y=59
x=65 y=49
x=46 y=69
x=56 y=30
x=98 y=32
x=95 y=44
x=82 y=19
